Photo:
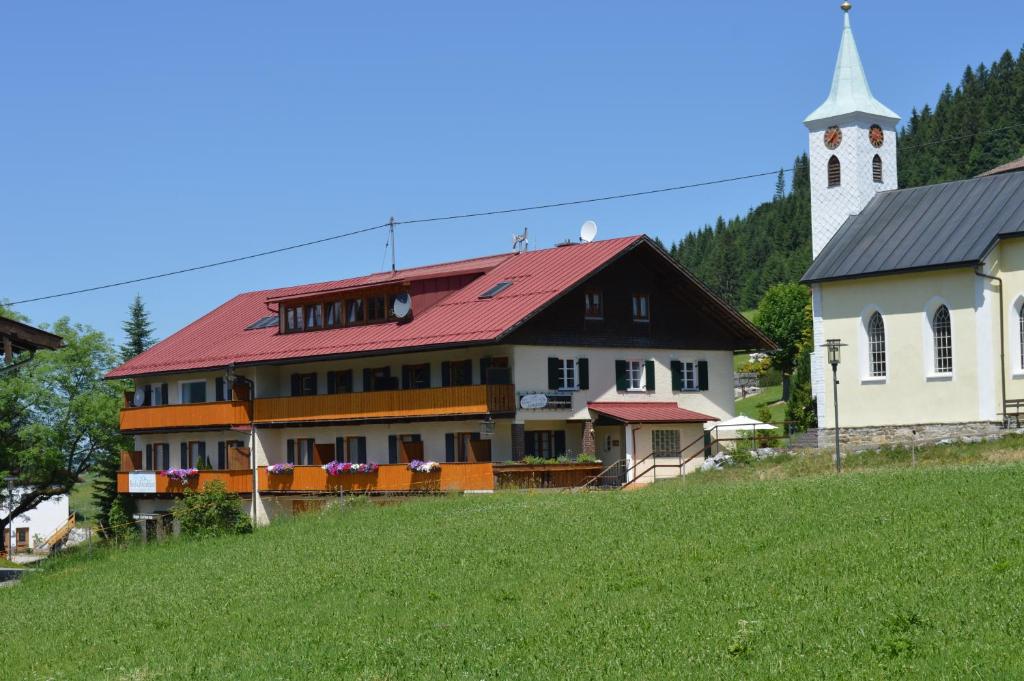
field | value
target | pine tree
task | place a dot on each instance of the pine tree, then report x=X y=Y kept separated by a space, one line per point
x=138 y=330
x=780 y=186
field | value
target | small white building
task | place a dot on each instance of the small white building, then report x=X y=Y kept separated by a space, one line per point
x=33 y=528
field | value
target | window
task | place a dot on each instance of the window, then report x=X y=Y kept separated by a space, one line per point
x=567 y=374
x=457 y=373
x=835 y=172
x=303 y=385
x=162 y=456
x=876 y=169
x=1020 y=331
x=641 y=308
x=593 y=305
x=223 y=450
x=416 y=376
x=547 y=444
x=354 y=311
x=376 y=307
x=21 y=537
x=350 y=450
x=156 y=394
x=193 y=392
x=665 y=442
x=197 y=455
x=876 y=346
x=379 y=379
x=339 y=382
x=942 y=331
x=300 y=452
x=263 y=323
x=688 y=376
x=334 y=313
x=634 y=375
x=496 y=289
x=293 y=319
x=314 y=316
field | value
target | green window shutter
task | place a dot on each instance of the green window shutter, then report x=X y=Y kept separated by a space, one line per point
x=583 y=373
x=367 y=380
x=649 y=374
x=553 y=366
x=677 y=376
x=332 y=382
x=559 y=443
x=149 y=464
x=183 y=461
x=339 y=448
x=621 y=381
x=485 y=364
x=392 y=449
x=296 y=385
x=449 y=447
x=291 y=451
x=361 y=449
x=219 y=389
x=702 y=375
x=222 y=455
x=446 y=374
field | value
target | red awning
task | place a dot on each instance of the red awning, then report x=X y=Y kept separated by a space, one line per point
x=648 y=412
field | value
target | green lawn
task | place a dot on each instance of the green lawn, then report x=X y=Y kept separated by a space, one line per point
x=875 y=574
x=81 y=501
x=769 y=397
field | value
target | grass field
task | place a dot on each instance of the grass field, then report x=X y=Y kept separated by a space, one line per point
x=81 y=502
x=774 y=571
x=769 y=397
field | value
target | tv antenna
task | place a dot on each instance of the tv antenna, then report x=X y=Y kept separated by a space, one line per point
x=391 y=232
x=521 y=242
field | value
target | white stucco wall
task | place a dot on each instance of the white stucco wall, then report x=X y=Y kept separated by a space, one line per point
x=43 y=520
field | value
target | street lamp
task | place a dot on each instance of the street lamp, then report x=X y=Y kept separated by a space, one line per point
x=232 y=380
x=833 y=345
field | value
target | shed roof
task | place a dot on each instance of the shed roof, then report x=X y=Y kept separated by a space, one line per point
x=648 y=412
x=942 y=225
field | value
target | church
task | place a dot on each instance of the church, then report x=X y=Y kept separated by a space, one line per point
x=923 y=287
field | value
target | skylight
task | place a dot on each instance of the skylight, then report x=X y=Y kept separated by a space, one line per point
x=495 y=290
x=264 y=323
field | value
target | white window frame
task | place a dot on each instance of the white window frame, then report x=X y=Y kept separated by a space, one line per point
x=864 y=349
x=181 y=390
x=689 y=383
x=641 y=375
x=928 y=340
x=568 y=368
x=586 y=305
x=642 y=303
x=1016 y=332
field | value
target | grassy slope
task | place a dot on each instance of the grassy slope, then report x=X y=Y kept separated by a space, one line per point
x=769 y=396
x=81 y=501
x=884 y=574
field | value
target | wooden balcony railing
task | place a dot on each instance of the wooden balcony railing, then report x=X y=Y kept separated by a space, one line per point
x=239 y=481
x=470 y=400
x=387 y=478
x=202 y=415
x=526 y=476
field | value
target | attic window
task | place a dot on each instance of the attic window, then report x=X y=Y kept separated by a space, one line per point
x=264 y=323
x=495 y=290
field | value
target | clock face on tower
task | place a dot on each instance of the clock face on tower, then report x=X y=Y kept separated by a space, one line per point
x=833 y=137
x=877 y=136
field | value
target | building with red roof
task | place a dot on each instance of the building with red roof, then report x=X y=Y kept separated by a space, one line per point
x=534 y=354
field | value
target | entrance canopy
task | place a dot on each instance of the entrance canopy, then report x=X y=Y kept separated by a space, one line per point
x=647 y=412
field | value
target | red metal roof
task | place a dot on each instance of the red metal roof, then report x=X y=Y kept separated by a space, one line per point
x=220 y=337
x=648 y=412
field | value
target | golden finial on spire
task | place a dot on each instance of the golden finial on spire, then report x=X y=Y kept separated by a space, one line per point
x=846 y=6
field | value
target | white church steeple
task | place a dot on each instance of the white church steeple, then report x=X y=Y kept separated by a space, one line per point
x=852 y=145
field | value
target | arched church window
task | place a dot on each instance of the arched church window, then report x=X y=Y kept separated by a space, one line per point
x=876 y=346
x=876 y=168
x=835 y=172
x=1020 y=330
x=943 y=333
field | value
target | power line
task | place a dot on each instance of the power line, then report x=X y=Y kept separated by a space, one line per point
x=458 y=216
x=962 y=137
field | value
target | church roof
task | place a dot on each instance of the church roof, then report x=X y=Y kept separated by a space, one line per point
x=850 y=90
x=942 y=225
x=1011 y=167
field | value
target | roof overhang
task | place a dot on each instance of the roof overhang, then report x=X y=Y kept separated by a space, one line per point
x=647 y=412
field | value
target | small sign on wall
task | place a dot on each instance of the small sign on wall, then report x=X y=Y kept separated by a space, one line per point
x=533 y=401
x=141 y=483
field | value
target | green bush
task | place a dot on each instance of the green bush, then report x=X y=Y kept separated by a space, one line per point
x=121 y=528
x=213 y=511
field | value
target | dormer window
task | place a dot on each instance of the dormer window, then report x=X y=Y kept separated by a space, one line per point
x=376 y=309
x=593 y=305
x=641 y=307
x=328 y=312
x=314 y=316
x=354 y=311
x=334 y=314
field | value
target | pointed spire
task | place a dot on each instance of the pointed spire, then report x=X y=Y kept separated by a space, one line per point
x=850 y=90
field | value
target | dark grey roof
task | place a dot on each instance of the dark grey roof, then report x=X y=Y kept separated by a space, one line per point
x=942 y=225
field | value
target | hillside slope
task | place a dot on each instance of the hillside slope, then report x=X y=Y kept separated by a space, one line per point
x=871 y=575
x=970 y=129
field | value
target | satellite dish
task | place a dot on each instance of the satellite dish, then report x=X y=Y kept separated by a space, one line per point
x=588 y=232
x=402 y=306
x=140 y=397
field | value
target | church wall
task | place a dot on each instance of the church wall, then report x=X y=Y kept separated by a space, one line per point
x=910 y=393
x=1007 y=262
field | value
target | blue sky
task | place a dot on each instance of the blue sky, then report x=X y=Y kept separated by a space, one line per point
x=143 y=137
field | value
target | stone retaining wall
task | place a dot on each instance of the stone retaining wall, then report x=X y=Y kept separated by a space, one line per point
x=857 y=439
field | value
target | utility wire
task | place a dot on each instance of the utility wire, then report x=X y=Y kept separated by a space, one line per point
x=459 y=216
x=463 y=216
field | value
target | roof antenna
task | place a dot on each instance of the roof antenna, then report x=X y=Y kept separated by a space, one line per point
x=391 y=229
x=521 y=239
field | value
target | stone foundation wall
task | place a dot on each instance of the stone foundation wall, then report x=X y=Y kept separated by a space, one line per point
x=857 y=439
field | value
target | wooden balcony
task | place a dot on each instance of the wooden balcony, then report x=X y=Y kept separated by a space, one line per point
x=171 y=416
x=387 y=478
x=470 y=400
x=237 y=481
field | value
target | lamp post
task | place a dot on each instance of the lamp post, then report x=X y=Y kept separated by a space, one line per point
x=833 y=345
x=10 y=516
x=232 y=380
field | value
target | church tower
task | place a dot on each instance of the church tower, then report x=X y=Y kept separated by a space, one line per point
x=852 y=145
x=852 y=157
